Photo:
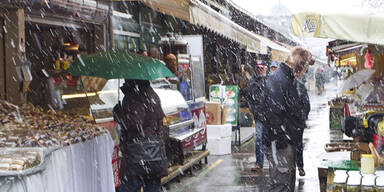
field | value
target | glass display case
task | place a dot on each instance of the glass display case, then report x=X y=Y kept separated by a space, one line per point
x=184 y=133
x=102 y=104
x=198 y=83
x=189 y=52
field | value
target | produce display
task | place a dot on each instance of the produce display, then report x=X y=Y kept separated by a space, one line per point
x=14 y=160
x=28 y=138
x=29 y=126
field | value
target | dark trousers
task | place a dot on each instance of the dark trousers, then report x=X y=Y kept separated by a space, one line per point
x=299 y=152
x=259 y=144
x=135 y=184
x=282 y=168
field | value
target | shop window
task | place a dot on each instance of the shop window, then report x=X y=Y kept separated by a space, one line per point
x=125 y=42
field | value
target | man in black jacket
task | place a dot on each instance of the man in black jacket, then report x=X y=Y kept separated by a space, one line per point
x=256 y=100
x=281 y=132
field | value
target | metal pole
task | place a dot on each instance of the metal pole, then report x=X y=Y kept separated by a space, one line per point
x=118 y=91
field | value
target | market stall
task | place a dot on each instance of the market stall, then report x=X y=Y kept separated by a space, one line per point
x=186 y=131
x=52 y=151
x=358 y=115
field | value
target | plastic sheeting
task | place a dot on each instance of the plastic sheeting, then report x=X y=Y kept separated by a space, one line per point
x=80 y=167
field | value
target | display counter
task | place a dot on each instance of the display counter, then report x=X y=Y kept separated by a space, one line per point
x=185 y=131
x=80 y=167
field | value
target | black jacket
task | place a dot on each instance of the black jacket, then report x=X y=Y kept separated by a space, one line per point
x=256 y=98
x=144 y=118
x=283 y=109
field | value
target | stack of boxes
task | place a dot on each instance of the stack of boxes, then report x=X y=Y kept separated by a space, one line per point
x=219 y=134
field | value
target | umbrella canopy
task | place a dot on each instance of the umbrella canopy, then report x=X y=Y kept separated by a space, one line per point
x=357 y=27
x=357 y=79
x=119 y=65
x=364 y=91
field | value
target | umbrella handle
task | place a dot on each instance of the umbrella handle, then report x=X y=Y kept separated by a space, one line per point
x=89 y=103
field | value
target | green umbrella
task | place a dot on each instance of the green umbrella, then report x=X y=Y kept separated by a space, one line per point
x=119 y=65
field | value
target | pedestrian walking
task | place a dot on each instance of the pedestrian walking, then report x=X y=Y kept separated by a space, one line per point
x=274 y=66
x=143 y=138
x=320 y=80
x=305 y=108
x=256 y=100
x=281 y=131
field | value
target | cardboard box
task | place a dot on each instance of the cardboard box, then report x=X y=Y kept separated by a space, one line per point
x=224 y=113
x=219 y=131
x=358 y=150
x=213 y=113
x=219 y=146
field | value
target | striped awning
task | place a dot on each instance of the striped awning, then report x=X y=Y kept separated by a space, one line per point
x=176 y=8
x=203 y=15
x=200 y=14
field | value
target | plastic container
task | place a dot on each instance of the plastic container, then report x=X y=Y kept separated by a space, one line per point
x=340 y=182
x=368 y=183
x=354 y=183
x=340 y=172
x=380 y=184
x=367 y=164
x=352 y=173
x=379 y=173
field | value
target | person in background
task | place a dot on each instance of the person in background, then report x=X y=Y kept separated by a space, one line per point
x=274 y=66
x=320 y=80
x=154 y=52
x=171 y=62
x=256 y=101
x=144 y=117
x=281 y=131
x=305 y=108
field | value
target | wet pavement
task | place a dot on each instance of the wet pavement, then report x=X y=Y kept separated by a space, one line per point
x=231 y=173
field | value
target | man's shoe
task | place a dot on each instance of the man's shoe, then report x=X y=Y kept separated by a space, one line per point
x=257 y=168
x=301 y=172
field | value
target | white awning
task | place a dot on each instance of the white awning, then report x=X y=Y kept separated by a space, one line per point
x=203 y=15
x=344 y=25
x=176 y=8
x=274 y=46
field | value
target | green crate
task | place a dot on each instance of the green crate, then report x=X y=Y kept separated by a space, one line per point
x=342 y=165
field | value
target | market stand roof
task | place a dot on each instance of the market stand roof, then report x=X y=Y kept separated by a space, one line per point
x=198 y=13
x=357 y=26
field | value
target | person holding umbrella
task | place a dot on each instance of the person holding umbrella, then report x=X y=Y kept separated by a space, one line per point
x=143 y=133
x=142 y=118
